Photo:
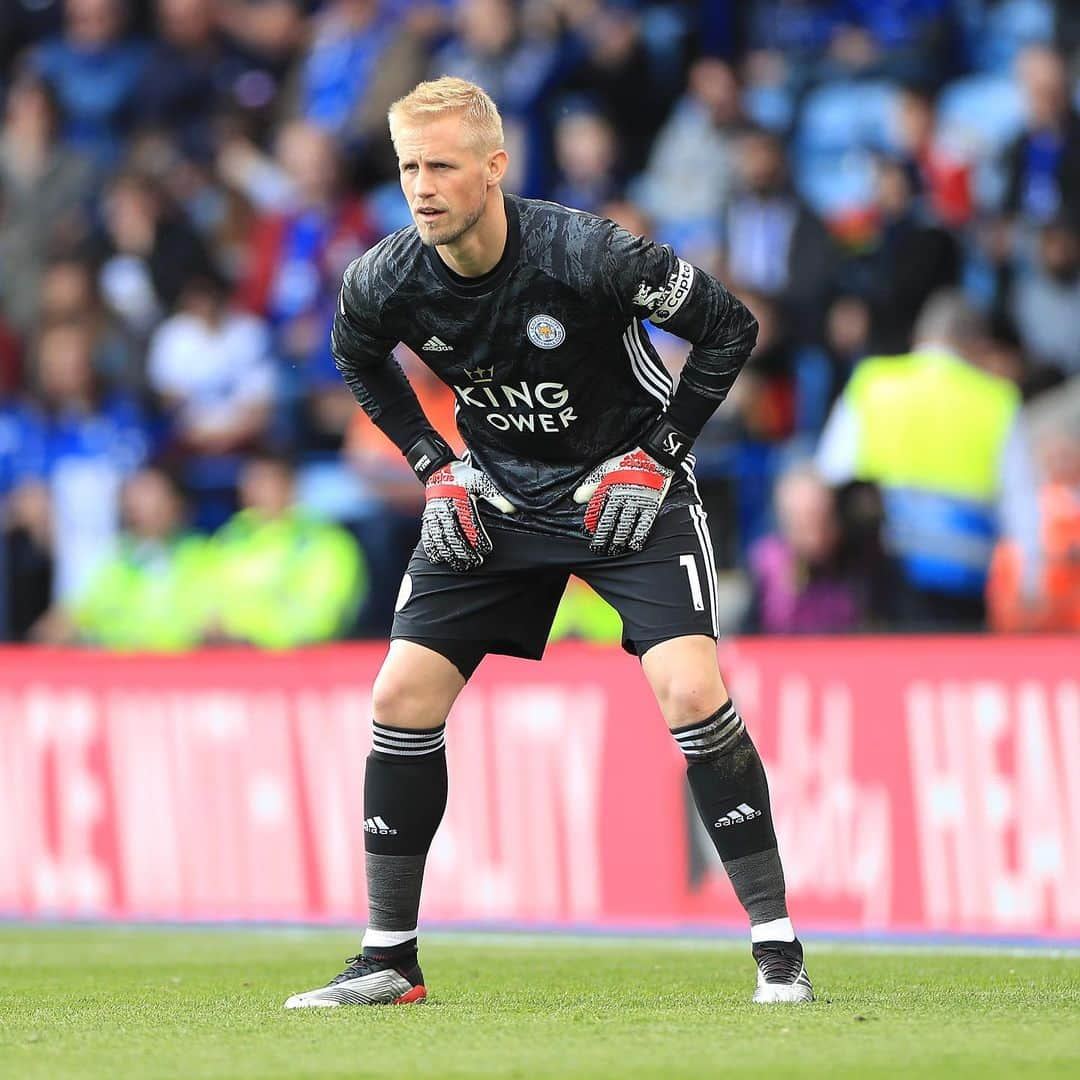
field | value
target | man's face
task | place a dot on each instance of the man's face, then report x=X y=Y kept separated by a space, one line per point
x=1046 y=87
x=309 y=157
x=94 y=22
x=807 y=519
x=151 y=506
x=444 y=177
x=761 y=163
x=1060 y=251
x=267 y=488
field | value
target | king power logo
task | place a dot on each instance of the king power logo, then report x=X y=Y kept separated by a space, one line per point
x=541 y=408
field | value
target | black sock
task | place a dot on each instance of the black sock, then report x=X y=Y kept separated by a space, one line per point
x=404 y=801
x=732 y=796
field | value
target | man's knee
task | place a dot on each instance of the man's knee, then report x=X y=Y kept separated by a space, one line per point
x=414 y=690
x=690 y=696
x=392 y=700
x=685 y=678
x=399 y=701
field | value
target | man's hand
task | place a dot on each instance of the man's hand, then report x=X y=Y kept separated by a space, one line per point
x=451 y=530
x=624 y=495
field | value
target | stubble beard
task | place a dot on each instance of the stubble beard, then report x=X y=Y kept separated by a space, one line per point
x=435 y=239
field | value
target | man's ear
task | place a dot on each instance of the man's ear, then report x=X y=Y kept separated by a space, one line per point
x=496 y=167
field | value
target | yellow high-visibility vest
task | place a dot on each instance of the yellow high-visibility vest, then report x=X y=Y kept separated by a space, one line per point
x=932 y=422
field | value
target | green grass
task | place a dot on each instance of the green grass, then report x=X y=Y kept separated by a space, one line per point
x=78 y=1002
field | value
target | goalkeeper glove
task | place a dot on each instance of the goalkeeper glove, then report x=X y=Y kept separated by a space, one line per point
x=451 y=530
x=624 y=493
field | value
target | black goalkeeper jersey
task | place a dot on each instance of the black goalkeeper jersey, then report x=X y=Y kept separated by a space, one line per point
x=550 y=366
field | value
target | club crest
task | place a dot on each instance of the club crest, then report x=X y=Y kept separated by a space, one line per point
x=546 y=332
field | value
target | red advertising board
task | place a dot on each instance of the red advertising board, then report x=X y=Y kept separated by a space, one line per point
x=926 y=785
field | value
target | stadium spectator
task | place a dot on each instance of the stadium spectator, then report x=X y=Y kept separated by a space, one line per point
x=898 y=39
x=586 y=158
x=361 y=56
x=192 y=75
x=911 y=258
x=148 y=251
x=633 y=72
x=1056 y=607
x=945 y=174
x=1043 y=164
x=84 y=419
x=764 y=399
x=152 y=592
x=45 y=190
x=792 y=34
x=1045 y=302
x=211 y=369
x=945 y=443
x=694 y=154
x=291 y=579
x=28 y=561
x=91 y=437
x=69 y=294
x=847 y=338
x=803 y=581
x=269 y=33
x=96 y=70
x=492 y=47
x=773 y=243
x=295 y=256
x=820 y=371
x=350 y=39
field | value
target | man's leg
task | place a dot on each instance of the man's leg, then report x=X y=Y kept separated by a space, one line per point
x=404 y=801
x=404 y=788
x=732 y=796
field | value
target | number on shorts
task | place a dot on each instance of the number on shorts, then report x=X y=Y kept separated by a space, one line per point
x=695 y=581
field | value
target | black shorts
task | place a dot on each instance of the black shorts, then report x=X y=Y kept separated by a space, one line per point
x=507 y=605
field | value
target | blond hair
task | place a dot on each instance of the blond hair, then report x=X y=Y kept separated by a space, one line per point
x=441 y=97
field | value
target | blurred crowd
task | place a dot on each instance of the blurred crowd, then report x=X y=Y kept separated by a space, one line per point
x=892 y=186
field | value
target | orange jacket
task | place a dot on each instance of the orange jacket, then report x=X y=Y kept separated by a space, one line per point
x=1058 y=604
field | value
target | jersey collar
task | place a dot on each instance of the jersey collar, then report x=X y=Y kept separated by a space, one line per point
x=472 y=287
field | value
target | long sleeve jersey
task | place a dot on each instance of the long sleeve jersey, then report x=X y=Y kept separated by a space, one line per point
x=546 y=355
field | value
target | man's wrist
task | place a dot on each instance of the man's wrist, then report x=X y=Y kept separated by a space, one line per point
x=666 y=443
x=428 y=454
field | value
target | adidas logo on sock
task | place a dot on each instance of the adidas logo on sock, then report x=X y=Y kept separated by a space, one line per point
x=433 y=344
x=741 y=813
x=379 y=827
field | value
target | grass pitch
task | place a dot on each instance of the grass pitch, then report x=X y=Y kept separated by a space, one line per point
x=147 y=1003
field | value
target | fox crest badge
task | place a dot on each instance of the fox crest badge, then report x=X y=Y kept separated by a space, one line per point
x=546 y=332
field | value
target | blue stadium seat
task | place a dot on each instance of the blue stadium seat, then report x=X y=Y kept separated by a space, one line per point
x=1003 y=29
x=984 y=112
x=771 y=106
x=843 y=115
x=834 y=181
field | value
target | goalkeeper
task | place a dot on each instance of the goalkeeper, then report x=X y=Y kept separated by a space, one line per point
x=578 y=462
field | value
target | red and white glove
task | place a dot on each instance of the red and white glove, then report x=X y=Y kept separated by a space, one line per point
x=623 y=495
x=451 y=530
